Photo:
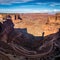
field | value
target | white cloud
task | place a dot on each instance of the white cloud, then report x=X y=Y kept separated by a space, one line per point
x=56 y=10
x=55 y=4
x=26 y=10
x=52 y=4
x=13 y=1
x=39 y=3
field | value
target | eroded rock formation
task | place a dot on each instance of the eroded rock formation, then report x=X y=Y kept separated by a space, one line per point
x=12 y=43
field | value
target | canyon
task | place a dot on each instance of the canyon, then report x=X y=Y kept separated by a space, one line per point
x=29 y=36
x=36 y=23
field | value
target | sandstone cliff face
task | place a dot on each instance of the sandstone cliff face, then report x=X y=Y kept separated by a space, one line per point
x=42 y=49
x=36 y=23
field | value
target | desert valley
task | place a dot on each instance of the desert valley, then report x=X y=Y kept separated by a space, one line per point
x=29 y=36
x=36 y=23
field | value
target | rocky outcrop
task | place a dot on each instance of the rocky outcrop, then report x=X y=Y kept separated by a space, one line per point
x=16 y=44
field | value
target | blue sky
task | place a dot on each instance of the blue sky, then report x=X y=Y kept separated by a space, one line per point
x=29 y=6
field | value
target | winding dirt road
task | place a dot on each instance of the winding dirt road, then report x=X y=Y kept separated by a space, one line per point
x=3 y=56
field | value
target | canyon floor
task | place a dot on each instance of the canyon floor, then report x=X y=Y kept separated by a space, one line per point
x=19 y=47
x=36 y=24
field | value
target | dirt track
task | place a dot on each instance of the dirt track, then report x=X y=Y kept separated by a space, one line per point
x=4 y=56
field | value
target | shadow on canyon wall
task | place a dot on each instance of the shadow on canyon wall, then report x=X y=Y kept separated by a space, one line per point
x=26 y=39
x=29 y=40
x=22 y=37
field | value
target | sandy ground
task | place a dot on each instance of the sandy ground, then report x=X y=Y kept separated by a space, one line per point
x=36 y=27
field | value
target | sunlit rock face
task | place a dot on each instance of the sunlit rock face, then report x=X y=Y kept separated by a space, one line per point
x=36 y=23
